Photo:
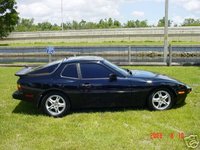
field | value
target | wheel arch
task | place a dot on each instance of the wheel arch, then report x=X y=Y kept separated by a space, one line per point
x=49 y=91
x=161 y=87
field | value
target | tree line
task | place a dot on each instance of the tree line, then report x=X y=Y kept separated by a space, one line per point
x=29 y=25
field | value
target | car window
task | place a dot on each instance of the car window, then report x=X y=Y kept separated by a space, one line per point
x=46 y=68
x=92 y=70
x=70 y=71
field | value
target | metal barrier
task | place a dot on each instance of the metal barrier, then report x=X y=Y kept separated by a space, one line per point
x=117 y=54
x=122 y=34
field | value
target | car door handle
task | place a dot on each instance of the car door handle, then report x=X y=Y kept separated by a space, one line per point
x=86 y=85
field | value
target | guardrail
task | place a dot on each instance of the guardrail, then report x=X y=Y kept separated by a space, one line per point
x=117 y=54
x=122 y=34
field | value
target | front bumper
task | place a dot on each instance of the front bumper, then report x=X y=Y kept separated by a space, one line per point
x=189 y=89
x=182 y=94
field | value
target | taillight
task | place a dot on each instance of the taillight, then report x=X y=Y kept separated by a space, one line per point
x=19 y=87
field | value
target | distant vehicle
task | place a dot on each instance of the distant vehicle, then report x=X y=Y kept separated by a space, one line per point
x=89 y=81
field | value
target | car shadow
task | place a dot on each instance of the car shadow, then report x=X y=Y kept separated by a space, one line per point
x=119 y=109
x=108 y=109
x=29 y=109
x=179 y=105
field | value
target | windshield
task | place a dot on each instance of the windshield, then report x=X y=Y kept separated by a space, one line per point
x=115 y=67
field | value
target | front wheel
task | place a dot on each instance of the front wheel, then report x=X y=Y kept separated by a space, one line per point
x=55 y=104
x=161 y=99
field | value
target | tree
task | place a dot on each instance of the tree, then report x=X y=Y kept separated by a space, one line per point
x=91 y=25
x=161 y=22
x=8 y=17
x=143 y=23
x=130 y=24
x=117 y=24
x=191 y=22
x=45 y=26
x=67 y=25
x=82 y=24
x=110 y=22
x=136 y=24
x=103 y=23
x=75 y=25
x=25 y=25
x=56 y=27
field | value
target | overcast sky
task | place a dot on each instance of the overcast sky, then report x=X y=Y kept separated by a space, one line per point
x=94 y=10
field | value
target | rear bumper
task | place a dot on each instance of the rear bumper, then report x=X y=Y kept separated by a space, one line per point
x=32 y=98
x=18 y=95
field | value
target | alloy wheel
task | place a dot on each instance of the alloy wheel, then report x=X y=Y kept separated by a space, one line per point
x=55 y=105
x=161 y=100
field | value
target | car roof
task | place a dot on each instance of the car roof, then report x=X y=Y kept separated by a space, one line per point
x=83 y=58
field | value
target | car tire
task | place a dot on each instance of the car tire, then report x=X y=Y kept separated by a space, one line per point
x=55 y=104
x=161 y=99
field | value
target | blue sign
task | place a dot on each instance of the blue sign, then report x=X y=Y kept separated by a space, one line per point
x=50 y=50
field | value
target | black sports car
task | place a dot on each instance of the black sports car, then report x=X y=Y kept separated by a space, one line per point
x=88 y=81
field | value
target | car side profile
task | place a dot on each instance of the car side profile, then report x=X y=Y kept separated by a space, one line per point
x=89 y=81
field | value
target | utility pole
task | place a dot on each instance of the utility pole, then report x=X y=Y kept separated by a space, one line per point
x=62 y=14
x=166 y=31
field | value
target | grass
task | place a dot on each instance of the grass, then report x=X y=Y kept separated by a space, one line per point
x=104 y=43
x=22 y=126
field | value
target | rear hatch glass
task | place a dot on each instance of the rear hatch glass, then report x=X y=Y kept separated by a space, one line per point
x=46 y=68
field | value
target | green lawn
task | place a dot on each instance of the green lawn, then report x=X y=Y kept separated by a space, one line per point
x=22 y=126
x=103 y=43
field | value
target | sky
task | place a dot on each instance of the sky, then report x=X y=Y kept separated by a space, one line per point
x=94 y=10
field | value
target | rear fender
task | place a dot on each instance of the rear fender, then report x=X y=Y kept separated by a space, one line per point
x=39 y=102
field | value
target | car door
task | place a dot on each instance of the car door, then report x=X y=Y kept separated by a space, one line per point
x=98 y=90
x=69 y=83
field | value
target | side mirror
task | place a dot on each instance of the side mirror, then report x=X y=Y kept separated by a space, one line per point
x=113 y=77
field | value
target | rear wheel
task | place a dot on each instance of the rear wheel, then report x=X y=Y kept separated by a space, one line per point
x=161 y=99
x=55 y=104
